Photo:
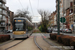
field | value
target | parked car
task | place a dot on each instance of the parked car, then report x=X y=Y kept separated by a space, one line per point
x=55 y=29
x=68 y=30
x=61 y=29
x=49 y=30
x=9 y=31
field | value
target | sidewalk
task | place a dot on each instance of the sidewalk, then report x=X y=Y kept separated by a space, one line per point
x=56 y=44
x=69 y=34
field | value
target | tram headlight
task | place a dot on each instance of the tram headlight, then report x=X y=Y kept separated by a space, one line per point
x=24 y=32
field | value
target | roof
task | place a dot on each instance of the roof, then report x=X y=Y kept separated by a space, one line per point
x=24 y=18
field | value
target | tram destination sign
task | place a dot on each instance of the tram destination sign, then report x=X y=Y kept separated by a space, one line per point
x=19 y=20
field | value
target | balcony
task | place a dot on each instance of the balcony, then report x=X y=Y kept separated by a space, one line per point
x=3 y=1
x=2 y=25
x=3 y=6
x=0 y=12
x=4 y=13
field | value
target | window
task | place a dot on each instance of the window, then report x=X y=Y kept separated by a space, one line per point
x=0 y=16
x=74 y=9
x=74 y=17
x=0 y=10
x=4 y=18
x=19 y=27
x=71 y=10
x=74 y=2
x=0 y=3
x=71 y=4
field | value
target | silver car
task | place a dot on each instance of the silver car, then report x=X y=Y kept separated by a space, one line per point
x=68 y=30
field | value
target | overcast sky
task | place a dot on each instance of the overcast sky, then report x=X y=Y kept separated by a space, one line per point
x=48 y=5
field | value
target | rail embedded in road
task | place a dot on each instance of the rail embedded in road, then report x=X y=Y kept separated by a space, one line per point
x=37 y=43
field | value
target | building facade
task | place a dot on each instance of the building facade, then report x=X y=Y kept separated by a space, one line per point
x=11 y=19
x=52 y=20
x=6 y=17
x=74 y=13
x=3 y=15
x=64 y=4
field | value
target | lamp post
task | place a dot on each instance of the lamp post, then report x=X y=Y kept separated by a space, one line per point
x=58 y=23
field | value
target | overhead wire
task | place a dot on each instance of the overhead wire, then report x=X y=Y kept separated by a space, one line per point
x=20 y=3
x=38 y=4
x=31 y=7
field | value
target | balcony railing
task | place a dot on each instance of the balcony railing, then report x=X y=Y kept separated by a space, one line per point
x=4 y=1
x=1 y=25
x=0 y=12
x=2 y=6
x=4 y=13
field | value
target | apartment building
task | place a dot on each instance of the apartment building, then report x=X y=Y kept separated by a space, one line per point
x=6 y=17
x=3 y=15
x=11 y=19
x=61 y=11
x=74 y=14
x=69 y=17
x=67 y=4
x=64 y=4
x=53 y=19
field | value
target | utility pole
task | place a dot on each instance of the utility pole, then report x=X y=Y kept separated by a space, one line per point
x=58 y=23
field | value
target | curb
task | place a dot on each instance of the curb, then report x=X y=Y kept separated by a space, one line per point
x=50 y=43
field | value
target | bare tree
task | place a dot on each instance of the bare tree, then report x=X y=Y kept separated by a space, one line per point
x=44 y=14
x=45 y=18
x=23 y=13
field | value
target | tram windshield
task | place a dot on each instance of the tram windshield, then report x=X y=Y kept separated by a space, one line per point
x=19 y=27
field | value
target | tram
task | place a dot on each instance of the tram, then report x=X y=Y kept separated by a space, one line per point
x=21 y=27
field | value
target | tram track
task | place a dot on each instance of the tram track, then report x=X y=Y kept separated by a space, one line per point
x=6 y=42
x=37 y=43
x=11 y=44
x=50 y=43
x=14 y=45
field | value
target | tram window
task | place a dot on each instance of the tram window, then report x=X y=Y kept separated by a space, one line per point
x=19 y=27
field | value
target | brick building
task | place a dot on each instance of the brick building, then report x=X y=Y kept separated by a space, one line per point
x=64 y=4
x=5 y=17
x=53 y=19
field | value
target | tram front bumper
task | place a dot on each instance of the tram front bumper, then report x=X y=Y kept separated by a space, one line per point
x=20 y=36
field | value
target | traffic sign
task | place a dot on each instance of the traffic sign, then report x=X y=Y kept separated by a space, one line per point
x=62 y=20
